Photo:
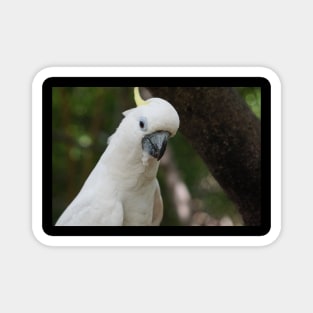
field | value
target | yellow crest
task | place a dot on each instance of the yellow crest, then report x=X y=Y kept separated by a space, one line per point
x=138 y=100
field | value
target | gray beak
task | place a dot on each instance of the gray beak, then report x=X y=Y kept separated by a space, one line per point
x=155 y=143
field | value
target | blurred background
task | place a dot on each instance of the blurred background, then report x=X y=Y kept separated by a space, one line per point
x=82 y=120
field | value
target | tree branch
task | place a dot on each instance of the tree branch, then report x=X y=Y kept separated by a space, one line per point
x=227 y=135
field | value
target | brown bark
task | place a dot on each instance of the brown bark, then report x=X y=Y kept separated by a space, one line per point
x=227 y=135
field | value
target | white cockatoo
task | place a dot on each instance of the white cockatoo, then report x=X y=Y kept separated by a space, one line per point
x=122 y=189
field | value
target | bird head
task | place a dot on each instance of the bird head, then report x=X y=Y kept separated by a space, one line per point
x=151 y=124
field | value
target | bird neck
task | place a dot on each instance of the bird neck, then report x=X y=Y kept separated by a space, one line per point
x=121 y=161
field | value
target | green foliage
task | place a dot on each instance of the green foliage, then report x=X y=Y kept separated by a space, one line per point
x=252 y=96
x=82 y=120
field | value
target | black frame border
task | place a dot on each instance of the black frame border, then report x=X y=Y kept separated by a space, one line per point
x=47 y=170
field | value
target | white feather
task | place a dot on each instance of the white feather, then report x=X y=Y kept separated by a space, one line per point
x=122 y=189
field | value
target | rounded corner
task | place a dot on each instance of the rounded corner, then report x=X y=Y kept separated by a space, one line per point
x=41 y=236
x=270 y=75
x=271 y=236
x=42 y=76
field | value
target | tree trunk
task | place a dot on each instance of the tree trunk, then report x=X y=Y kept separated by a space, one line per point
x=227 y=135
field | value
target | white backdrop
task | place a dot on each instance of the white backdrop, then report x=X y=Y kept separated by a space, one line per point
x=34 y=35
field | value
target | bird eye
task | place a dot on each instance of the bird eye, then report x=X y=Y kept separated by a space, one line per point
x=143 y=123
